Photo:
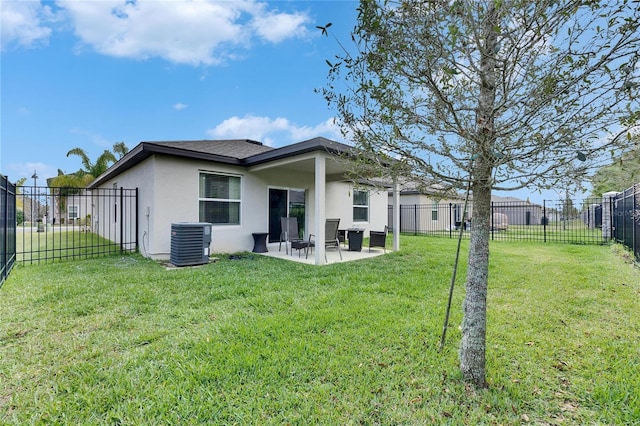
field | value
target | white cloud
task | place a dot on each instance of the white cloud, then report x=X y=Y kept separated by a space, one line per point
x=180 y=106
x=279 y=131
x=196 y=32
x=275 y=27
x=23 y=24
x=326 y=128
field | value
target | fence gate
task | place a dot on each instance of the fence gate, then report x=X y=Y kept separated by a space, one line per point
x=69 y=223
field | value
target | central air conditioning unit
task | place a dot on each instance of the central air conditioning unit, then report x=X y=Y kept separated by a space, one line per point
x=190 y=243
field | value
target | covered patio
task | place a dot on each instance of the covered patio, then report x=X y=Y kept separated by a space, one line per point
x=326 y=161
x=332 y=254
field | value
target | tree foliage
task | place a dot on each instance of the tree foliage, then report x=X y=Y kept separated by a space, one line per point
x=504 y=94
x=90 y=169
x=621 y=174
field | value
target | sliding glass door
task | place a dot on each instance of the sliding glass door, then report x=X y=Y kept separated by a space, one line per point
x=285 y=202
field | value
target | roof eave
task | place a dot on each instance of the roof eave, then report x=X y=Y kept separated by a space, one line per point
x=145 y=150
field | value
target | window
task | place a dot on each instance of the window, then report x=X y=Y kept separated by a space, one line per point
x=219 y=199
x=360 y=206
x=73 y=212
x=434 y=211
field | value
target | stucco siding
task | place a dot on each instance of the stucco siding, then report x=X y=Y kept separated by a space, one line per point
x=169 y=193
x=339 y=198
x=177 y=197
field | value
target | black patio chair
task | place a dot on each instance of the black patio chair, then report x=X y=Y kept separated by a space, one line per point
x=306 y=245
x=378 y=239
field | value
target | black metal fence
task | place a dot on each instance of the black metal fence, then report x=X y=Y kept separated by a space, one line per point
x=7 y=227
x=69 y=223
x=568 y=221
x=626 y=219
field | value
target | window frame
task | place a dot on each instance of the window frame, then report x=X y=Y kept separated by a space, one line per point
x=435 y=206
x=73 y=216
x=230 y=201
x=362 y=207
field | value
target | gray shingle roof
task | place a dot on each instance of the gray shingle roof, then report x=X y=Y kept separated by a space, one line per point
x=238 y=152
x=233 y=148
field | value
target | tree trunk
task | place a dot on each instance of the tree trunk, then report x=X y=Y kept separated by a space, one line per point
x=474 y=326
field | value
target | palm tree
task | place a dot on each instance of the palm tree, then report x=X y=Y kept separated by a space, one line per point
x=83 y=177
x=90 y=170
x=93 y=169
x=120 y=148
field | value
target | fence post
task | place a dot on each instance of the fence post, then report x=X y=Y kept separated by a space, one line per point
x=137 y=218
x=5 y=221
x=492 y=224
x=635 y=221
x=450 y=222
x=8 y=211
x=544 y=219
x=121 y=219
x=607 y=215
x=415 y=219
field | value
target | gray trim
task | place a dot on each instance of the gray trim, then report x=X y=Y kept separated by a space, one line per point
x=210 y=151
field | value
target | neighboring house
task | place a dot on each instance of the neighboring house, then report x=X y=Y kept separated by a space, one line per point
x=242 y=187
x=518 y=212
x=426 y=208
x=70 y=206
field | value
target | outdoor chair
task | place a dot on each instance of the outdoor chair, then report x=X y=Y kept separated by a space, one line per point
x=330 y=236
x=378 y=239
x=289 y=232
x=302 y=245
x=342 y=236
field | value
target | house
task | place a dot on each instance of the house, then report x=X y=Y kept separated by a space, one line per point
x=427 y=208
x=517 y=211
x=242 y=187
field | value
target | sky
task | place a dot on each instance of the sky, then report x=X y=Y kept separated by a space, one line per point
x=89 y=74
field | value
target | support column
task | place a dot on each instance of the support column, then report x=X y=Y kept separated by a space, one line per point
x=320 y=211
x=396 y=215
x=607 y=220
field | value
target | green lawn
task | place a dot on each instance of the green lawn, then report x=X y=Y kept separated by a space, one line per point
x=61 y=244
x=573 y=232
x=122 y=340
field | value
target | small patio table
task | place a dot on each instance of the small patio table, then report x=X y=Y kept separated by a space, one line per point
x=260 y=242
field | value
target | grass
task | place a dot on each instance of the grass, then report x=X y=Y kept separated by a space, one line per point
x=572 y=232
x=122 y=340
x=58 y=244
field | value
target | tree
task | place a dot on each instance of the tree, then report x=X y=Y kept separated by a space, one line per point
x=621 y=174
x=120 y=149
x=66 y=184
x=96 y=168
x=502 y=94
x=90 y=170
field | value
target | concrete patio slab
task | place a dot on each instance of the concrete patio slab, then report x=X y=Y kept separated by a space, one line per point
x=332 y=254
